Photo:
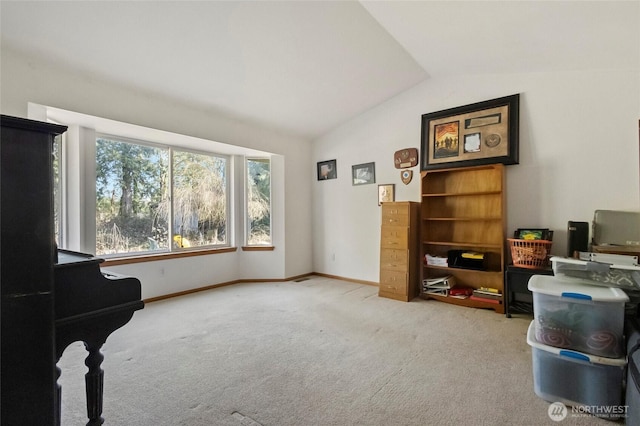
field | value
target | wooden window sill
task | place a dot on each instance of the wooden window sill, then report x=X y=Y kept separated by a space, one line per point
x=164 y=256
x=258 y=248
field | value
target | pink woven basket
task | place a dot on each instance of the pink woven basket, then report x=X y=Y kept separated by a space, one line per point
x=532 y=254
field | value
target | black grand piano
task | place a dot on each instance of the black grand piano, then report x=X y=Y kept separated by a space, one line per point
x=95 y=303
x=50 y=297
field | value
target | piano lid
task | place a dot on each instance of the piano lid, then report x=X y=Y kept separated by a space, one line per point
x=71 y=258
x=81 y=288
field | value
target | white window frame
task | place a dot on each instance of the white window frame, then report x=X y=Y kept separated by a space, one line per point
x=171 y=150
x=247 y=220
x=230 y=223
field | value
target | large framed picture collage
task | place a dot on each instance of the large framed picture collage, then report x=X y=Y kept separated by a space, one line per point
x=476 y=134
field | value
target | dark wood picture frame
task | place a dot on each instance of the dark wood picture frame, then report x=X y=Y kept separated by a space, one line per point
x=472 y=135
x=327 y=170
x=363 y=174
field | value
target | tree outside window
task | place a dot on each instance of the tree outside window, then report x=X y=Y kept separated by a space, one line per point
x=199 y=200
x=258 y=202
x=135 y=198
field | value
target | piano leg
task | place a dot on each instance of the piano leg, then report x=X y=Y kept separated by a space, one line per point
x=94 y=381
x=58 y=396
x=93 y=332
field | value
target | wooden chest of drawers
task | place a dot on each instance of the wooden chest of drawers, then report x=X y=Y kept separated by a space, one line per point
x=399 y=254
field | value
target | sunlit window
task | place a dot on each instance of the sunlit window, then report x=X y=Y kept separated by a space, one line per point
x=258 y=202
x=151 y=198
x=199 y=199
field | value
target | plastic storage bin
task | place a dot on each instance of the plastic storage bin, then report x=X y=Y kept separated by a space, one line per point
x=577 y=316
x=577 y=379
x=632 y=395
x=621 y=276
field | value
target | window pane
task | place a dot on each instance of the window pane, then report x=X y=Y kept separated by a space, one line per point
x=259 y=201
x=132 y=197
x=199 y=199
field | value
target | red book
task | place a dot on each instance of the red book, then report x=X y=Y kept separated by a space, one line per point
x=460 y=291
x=482 y=299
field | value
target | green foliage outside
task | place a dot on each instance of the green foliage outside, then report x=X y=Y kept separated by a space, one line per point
x=133 y=201
x=131 y=185
x=200 y=199
x=259 y=201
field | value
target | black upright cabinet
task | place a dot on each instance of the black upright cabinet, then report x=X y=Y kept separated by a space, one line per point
x=28 y=251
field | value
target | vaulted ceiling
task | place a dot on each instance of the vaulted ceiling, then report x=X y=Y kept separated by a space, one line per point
x=308 y=66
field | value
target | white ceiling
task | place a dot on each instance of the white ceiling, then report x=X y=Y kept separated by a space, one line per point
x=306 y=67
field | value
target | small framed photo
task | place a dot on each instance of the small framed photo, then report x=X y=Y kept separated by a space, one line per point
x=363 y=174
x=327 y=170
x=472 y=142
x=386 y=193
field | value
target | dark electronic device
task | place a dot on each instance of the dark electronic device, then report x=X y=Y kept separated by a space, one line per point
x=577 y=237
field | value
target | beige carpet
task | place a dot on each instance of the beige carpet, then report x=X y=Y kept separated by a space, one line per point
x=316 y=352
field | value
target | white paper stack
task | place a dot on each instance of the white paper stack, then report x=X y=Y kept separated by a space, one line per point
x=435 y=260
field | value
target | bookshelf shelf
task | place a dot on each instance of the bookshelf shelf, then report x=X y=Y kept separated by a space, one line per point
x=464 y=209
x=461 y=244
x=461 y=219
x=461 y=194
x=462 y=302
x=447 y=270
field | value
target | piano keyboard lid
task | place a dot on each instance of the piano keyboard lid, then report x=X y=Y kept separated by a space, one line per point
x=68 y=257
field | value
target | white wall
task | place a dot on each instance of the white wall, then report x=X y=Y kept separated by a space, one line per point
x=28 y=79
x=578 y=153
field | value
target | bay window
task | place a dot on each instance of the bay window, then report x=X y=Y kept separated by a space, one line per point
x=127 y=191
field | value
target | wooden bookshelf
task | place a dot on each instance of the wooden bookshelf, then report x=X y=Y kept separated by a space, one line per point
x=464 y=209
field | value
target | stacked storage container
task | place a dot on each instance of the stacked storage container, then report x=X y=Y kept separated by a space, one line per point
x=632 y=393
x=577 y=343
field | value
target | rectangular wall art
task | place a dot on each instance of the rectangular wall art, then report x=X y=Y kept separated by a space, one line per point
x=363 y=174
x=327 y=170
x=481 y=133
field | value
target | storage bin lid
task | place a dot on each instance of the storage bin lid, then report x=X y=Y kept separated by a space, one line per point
x=570 y=260
x=569 y=354
x=575 y=289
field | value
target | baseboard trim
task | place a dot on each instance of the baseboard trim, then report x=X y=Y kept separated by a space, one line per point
x=353 y=280
x=190 y=291
x=256 y=280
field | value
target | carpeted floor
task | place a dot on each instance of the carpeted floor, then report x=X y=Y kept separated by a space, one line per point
x=317 y=352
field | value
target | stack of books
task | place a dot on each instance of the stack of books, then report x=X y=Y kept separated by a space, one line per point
x=439 y=286
x=461 y=292
x=487 y=294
